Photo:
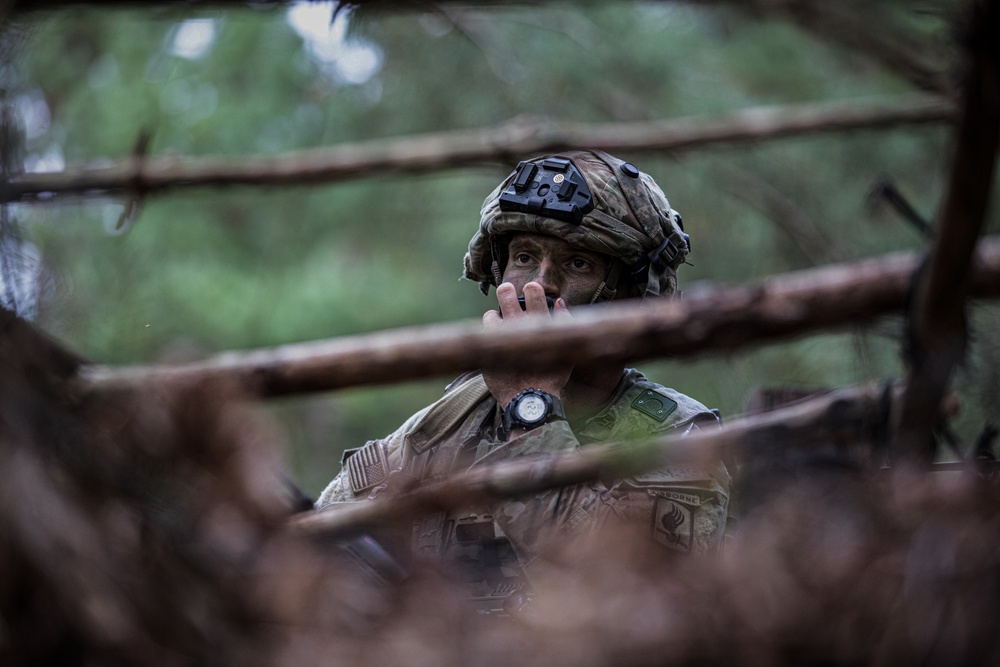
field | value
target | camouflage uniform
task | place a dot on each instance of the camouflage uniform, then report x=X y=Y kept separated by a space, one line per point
x=684 y=507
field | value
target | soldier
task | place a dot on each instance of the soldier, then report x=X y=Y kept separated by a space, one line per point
x=560 y=232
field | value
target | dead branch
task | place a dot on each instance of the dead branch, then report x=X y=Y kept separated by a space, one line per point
x=937 y=326
x=817 y=246
x=864 y=28
x=500 y=144
x=708 y=318
x=846 y=417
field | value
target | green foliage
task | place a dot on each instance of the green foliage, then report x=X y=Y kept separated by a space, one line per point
x=203 y=271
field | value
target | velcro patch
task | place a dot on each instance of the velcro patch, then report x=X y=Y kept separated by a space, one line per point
x=367 y=467
x=654 y=404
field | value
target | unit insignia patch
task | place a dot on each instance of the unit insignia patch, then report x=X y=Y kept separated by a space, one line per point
x=673 y=524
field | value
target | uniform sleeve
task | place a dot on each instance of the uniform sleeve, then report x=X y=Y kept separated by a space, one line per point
x=337 y=491
x=685 y=505
x=367 y=471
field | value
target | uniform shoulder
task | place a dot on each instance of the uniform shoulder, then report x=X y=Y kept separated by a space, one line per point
x=462 y=380
x=663 y=407
x=462 y=397
x=366 y=469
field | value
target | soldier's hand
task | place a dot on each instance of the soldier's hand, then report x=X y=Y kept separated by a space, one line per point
x=506 y=384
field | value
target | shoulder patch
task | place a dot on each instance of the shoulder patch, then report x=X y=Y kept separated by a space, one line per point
x=654 y=404
x=673 y=524
x=367 y=467
x=444 y=416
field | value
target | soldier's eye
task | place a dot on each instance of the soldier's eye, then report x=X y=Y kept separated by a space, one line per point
x=522 y=258
x=580 y=264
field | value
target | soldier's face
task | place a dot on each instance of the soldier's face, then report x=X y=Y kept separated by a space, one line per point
x=560 y=269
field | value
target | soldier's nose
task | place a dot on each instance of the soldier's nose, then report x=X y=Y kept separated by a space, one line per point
x=549 y=280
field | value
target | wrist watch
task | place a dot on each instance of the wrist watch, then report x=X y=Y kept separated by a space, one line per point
x=530 y=409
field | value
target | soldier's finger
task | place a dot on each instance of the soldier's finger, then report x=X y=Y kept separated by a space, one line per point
x=492 y=319
x=507 y=299
x=561 y=309
x=534 y=298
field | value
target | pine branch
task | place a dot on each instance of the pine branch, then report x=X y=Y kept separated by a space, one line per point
x=503 y=144
x=709 y=318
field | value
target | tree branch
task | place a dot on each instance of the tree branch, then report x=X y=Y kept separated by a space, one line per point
x=818 y=247
x=707 y=318
x=846 y=417
x=937 y=324
x=862 y=27
x=871 y=33
x=504 y=144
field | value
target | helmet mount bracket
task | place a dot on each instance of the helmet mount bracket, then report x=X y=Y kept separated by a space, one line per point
x=553 y=188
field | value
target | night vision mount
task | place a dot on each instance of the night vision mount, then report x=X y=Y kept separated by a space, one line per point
x=553 y=188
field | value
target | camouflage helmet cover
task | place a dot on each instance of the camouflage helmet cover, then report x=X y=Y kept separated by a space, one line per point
x=631 y=221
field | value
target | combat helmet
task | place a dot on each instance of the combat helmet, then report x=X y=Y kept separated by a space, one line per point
x=593 y=201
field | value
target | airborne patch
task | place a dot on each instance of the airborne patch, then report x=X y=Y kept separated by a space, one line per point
x=673 y=524
x=367 y=467
x=654 y=404
x=690 y=499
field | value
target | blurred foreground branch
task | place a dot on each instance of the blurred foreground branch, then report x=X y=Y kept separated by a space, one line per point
x=845 y=417
x=710 y=318
x=146 y=530
x=45 y=359
x=937 y=314
x=503 y=144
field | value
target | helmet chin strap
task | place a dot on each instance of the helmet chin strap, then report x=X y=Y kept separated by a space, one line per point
x=608 y=289
x=495 y=265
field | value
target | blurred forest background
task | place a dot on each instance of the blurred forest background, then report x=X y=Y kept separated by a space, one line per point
x=199 y=271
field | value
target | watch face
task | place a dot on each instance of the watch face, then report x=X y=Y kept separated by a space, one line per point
x=531 y=408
